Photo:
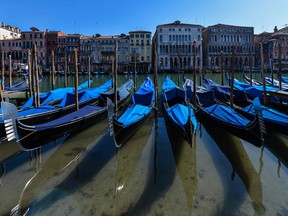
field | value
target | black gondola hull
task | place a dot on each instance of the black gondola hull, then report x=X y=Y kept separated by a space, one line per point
x=121 y=134
x=29 y=139
x=186 y=132
x=250 y=133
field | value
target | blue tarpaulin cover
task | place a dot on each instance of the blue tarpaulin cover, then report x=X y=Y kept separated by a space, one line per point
x=179 y=113
x=88 y=109
x=86 y=94
x=141 y=104
x=53 y=95
x=134 y=114
x=227 y=114
x=269 y=114
x=145 y=95
x=171 y=90
x=41 y=109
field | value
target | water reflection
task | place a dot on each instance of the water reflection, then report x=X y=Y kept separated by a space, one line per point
x=277 y=144
x=41 y=189
x=131 y=161
x=185 y=159
x=234 y=151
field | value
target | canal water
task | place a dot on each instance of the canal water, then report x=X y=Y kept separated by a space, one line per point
x=152 y=174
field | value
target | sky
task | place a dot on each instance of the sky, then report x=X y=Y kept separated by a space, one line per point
x=111 y=17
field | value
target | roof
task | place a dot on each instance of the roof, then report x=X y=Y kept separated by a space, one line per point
x=178 y=23
x=225 y=25
x=140 y=31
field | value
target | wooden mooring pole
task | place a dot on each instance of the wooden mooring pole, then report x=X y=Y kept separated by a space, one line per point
x=263 y=75
x=53 y=71
x=232 y=77
x=10 y=71
x=89 y=72
x=3 y=72
x=65 y=71
x=76 y=79
x=194 y=73
x=116 y=77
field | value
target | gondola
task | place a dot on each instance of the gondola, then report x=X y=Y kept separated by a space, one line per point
x=253 y=81
x=178 y=112
x=45 y=113
x=273 y=119
x=258 y=91
x=30 y=137
x=285 y=79
x=220 y=115
x=134 y=116
x=275 y=82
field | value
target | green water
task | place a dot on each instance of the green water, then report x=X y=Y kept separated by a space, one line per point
x=153 y=174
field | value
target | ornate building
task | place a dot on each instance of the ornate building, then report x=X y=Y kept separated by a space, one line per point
x=101 y=50
x=218 y=41
x=174 y=43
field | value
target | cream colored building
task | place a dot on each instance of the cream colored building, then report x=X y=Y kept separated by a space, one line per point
x=175 y=46
x=9 y=32
x=140 y=50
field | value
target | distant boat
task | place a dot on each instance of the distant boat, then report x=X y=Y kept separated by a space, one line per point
x=30 y=137
x=178 y=113
x=134 y=116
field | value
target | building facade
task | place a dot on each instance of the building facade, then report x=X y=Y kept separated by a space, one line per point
x=37 y=37
x=101 y=50
x=174 y=43
x=218 y=42
x=9 y=32
x=140 y=50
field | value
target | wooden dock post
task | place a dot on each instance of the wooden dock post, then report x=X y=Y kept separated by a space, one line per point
x=65 y=71
x=36 y=75
x=10 y=71
x=232 y=77
x=116 y=77
x=263 y=75
x=156 y=77
x=30 y=73
x=222 y=68
x=53 y=70
x=194 y=73
x=3 y=72
x=280 y=66
x=1 y=95
x=134 y=71
x=76 y=79
x=250 y=64
x=89 y=71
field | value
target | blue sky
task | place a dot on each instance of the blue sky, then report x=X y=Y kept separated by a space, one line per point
x=110 y=17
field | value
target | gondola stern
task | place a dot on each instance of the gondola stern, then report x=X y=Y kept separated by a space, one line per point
x=111 y=118
x=9 y=116
x=259 y=116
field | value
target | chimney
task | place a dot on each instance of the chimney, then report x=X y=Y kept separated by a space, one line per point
x=2 y=24
x=275 y=29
